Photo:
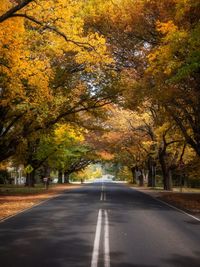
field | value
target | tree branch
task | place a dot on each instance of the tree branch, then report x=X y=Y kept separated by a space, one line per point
x=14 y=9
x=86 y=46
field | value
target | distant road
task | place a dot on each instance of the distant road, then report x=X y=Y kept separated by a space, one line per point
x=100 y=225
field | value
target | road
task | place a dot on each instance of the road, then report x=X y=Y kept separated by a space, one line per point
x=100 y=225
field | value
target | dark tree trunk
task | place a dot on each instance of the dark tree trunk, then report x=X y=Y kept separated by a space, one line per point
x=166 y=172
x=133 y=174
x=60 y=173
x=66 y=177
x=167 y=180
x=152 y=172
x=141 y=179
x=47 y=171
x=30 y=179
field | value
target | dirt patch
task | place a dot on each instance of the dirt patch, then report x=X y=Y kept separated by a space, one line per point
x=10 y=205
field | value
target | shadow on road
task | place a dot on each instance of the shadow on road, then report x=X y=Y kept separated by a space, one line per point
x=59 y=233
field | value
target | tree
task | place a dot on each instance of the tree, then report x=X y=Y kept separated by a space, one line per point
x=32 y=97
x=177 y=71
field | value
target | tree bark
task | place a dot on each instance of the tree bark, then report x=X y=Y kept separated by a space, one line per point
x=60 y=173
x=30 y=179
x=47 y=171
x=166 y=172
x=133 y=174
x=66 y=177
x=141 y=180
x=152 y=172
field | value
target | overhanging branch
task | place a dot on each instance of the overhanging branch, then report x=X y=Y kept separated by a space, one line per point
x=14 y=9
x=85 y=45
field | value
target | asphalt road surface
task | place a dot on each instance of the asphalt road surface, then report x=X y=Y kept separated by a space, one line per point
x=100 y=225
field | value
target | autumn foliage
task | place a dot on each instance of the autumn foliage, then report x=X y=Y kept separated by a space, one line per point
x=82 y=81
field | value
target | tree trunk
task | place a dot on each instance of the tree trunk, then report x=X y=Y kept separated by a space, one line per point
x=133 y=174
x=145 y=175
x=166 y=172
x=152 y=173
x=60 y=173
x=141 y=179
x=66 y=177
x=47 y=171
x=167 y=180
x=30 y=179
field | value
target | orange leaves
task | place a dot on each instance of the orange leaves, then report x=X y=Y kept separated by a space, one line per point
x=162 y=59
x=104 y=155
x=167 y=27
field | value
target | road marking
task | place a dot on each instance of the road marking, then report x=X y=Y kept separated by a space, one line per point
x=95 y=253
x=171 y=206
x=102 y=218
x=103 y=196
x=175 y=208
x=102 y=186
x=103 y=193
x=106 y=241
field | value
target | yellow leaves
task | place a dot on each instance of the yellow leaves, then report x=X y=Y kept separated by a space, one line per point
x=66 y=133
x=171 y=32
x=90 y=172
x=183 y=6
x=5 y=5
x=22 y=66
x=11 y=51
x=147 y=144
x=66 y=16
x=162 y=59
x=119 y=13
x=163 y=128
x=98 y=52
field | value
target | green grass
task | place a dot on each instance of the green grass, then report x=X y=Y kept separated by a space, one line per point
x=18 y=186
x=20 y=191
x=9 y=189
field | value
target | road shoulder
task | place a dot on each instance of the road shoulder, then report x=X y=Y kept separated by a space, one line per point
x=186 y=202
x=11 y=205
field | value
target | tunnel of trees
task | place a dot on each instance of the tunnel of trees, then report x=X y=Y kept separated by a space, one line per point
x=101 y=81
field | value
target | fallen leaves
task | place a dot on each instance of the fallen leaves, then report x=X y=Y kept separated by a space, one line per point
x=10 y=205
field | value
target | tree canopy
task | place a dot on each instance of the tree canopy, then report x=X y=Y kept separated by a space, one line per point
x=89 y=80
